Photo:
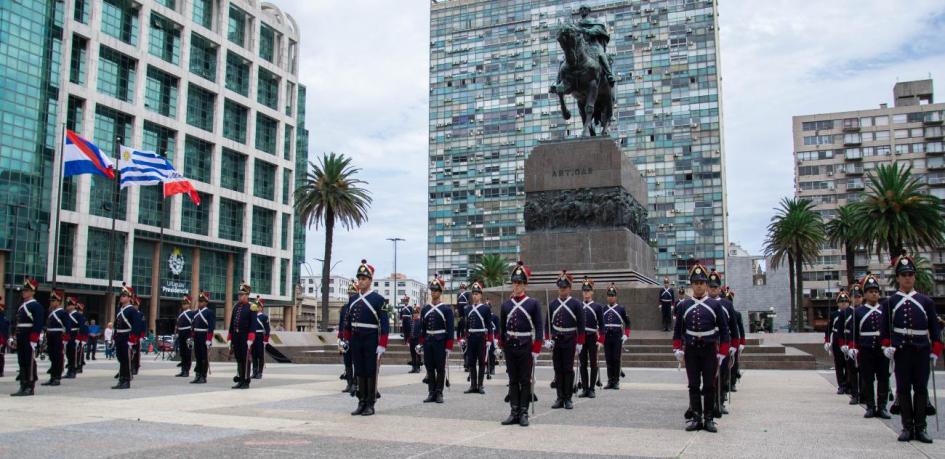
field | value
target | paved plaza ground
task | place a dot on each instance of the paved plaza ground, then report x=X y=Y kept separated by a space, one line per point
x=298 y=410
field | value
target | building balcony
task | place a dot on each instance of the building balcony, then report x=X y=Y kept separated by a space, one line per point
x=851 y=124
x=935 y=180
x=854 y=170
x=852 y=139
x=932 y=118
x=934 y=132
x=936 y=163
x=854 y=184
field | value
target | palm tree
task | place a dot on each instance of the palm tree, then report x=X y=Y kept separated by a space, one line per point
x=330 y=194
x=491 y=270
x=842 y=230
x=924 y=277
x=796 y=233
x=896 y=213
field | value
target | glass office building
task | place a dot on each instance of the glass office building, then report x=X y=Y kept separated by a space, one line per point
x=491 y=64
x=211 y=84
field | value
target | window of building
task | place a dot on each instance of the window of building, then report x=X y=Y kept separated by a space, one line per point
x=200 y=104
x=234 y=121
x=287 y=141
x=231 y=220
x=116 y=74
x=267 y=42
x=289 y=97
x=866 y=121
x=818 y=139
x=213 y=271
x=284 y=245
x=109 y=124
x=881 y=120
x=267 y=89
x=172 y=4
x=164 y=40
x=80 y=11
x=232 y=170
x=150 y=201
x=264 y=180
x=283 y=276
x=266 y=129
x=96 y=255
x=120 y=20
x=203 y=13
x=899 y=119
x=881 y=135
x=66 y=244
x=817 y=125
x=160 y=92
x=203 y=57
x=286 y=178
x=159 y=139
x=901 y=133
x=261 y=273
x=198 y=159
x=237 y=73
x=193 y=218
x=236 y=26
x=77 y=60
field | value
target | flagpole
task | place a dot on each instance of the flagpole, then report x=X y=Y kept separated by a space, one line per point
x=115 y=203
x=62 y=181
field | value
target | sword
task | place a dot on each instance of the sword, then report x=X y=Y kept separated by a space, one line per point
x=934 y=394
x=532 y=383
x=447 y=370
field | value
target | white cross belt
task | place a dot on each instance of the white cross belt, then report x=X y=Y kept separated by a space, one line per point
x=869 y=333
x=563 y=329
x=702 y=333
x=363 y=325
x=512 y=333
x=911 y=332
x=477 y=330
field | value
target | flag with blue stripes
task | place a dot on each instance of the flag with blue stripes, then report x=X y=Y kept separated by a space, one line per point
x=142 y=168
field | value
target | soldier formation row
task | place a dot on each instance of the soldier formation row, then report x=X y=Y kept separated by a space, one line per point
x=872 y=335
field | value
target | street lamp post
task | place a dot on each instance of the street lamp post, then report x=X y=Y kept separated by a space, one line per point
x=324 y=287
x=393 y=276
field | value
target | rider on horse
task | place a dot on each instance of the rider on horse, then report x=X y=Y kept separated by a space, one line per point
x=595 y=33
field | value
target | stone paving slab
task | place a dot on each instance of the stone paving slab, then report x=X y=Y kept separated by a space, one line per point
x=298 y=410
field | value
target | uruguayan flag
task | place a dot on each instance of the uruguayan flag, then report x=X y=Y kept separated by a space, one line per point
x=140 y=168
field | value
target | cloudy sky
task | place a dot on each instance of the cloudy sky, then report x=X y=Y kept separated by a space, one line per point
x=365 y=65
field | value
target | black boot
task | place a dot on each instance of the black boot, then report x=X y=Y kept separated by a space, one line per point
x=881 y=407
x=369 y=392
x=513 y=399
x=695 y=422
x=709 y=425
x=922 y=436
x=907 y=416
x=181 y=374
x=479 y=386
x=70 y=374
x=51 y=382
x=919 y=405
x=870 y=412
x=439 y=396
x=513 y=417
x=122 y=384
x=591 y=390
x=568 y=391
x=525 y=398
x=362 y=398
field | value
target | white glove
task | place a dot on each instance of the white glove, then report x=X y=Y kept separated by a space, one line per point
x=579 y=347
x=462 y=342
x=827 y=347
x=889 y=352
x=853 y=353
x=419 y=348
x=380 y=350
x=448 y=352
x=732 y=350
x=33 y=346
x=741 y=347
x=720 y=358
x=535 y=355
x=623 y=338
x=550 y=344
x=249 y=343
x=680 y=355
x=845 y=349
x=9 y=342
x=933 y=358
x=209 y=343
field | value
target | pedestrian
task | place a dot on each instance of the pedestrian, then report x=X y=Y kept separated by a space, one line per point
x=565 y=333
x=616 y=332
x=262 y=339
x=593 y=331
x=241 y=335
x=911 y=338
x=701 y=341
x=57 y=334
x=126 y=321
x=436 y=338
x=202 y=337
x=30 y=319
x=478 y=338
x=183 y=330
x=95 y=332
x=366 y=332
x=109 y=335
x=867 y=350
x=666 y=302
x=521 y=337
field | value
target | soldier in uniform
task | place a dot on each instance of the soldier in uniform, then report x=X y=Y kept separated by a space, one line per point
x=366 y=332
x=835 y=339
x=184 y=331
x=406 y=322
x=262 y=339
x=667 y=301
x=462 y=301
x=83 y=335
x=57 y=334
x=126 y=321
x=478 y=339
x=4 y=334
x=241 y=335
x=736 y=371
x=725 y=373
x=520 y=338
x=30 y=319
x=616 y=330
x=493 y=347
x=436 y=338
x=74 y=325
x=348 y=376
x=853 y=370
x=565 y=332
x=139 y=333
x=700 y=340
x=413 y=339
x=203 y=325
x=867 y=350
x=593 y=331
x=912 y=339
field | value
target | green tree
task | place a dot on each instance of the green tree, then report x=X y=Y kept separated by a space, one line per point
x=331 y=194
x=896 y=213
x=924 y=277
x=795 y=233
x=842 y=230
x=491 y=270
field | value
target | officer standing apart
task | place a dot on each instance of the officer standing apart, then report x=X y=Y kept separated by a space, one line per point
x=667 y=301
x=413 y=339
x=853 y=368
x=462 y=301
x=834 y=340
x=436 y=339
x=728 y=310
x=262 y=339
x=593 y=330
x=913 y=341
x=241 y=335
x=125 y=322
x=616 y=331
x=138 y=332
x=478 y=339
x=366 y=330
x=701 y=340
x=184 y=331
x=348 y=376
x=74 y=327
x=520 y=338
x=57 y=324
x=204 y=324
x=867 y=350
x=406 y=321
x=736 y=372
x=565 y=331
x=30 y=318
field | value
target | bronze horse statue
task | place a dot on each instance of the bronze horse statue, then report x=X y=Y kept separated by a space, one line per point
x=582 y=76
